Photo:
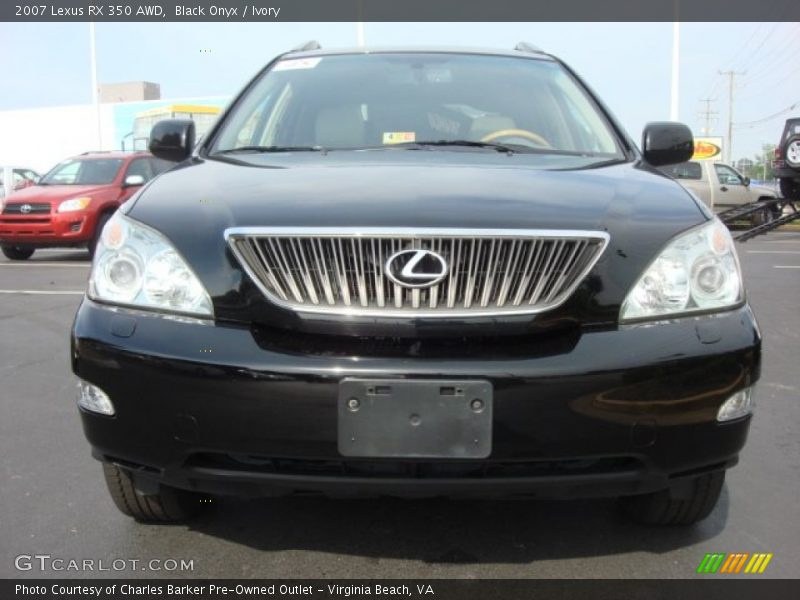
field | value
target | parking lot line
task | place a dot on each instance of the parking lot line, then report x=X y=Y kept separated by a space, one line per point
x=47 y=264
x=60 y=250
x=773 y=251
x=44 y=292
x=787 y=266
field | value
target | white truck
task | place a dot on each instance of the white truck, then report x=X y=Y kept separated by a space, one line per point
x=721 y=187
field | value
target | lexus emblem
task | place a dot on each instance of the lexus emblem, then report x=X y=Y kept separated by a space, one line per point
x=25 y=209
x=416 y=268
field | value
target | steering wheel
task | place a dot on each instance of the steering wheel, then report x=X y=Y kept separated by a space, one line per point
x=520 y=133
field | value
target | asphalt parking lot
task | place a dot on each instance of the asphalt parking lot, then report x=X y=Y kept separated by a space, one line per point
x=55 y=503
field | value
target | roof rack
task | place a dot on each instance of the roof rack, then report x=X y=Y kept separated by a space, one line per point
x=309 y=45
x=109 y=152
x=526 y=47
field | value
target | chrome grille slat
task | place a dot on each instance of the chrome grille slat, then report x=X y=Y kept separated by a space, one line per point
x=284 y=268
x=344 y=271
x=510 y=271
x=474 y=259
x=564 y=271
x=324 y=272
x=252 y=245
x=341 y=273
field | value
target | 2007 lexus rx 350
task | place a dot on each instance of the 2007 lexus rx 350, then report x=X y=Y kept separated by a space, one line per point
x=416 y=272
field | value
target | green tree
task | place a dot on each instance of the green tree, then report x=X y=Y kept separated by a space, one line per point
x=762 y=169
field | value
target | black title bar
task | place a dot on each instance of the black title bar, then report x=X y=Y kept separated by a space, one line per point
x=398 y=10
x=711 y=588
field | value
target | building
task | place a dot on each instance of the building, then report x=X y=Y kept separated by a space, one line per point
x=40 y=137
x=131 y=91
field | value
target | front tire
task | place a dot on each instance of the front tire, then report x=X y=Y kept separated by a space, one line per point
x=18 y=252
x=665 y=508
x=169 y=505
x=765 y=215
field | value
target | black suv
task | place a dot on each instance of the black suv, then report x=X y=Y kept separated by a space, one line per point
x=416 y=272
x=787 y=160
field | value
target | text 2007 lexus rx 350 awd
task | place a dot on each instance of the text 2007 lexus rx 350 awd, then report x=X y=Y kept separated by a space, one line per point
x=416 y=272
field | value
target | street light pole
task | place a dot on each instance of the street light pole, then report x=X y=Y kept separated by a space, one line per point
x=95 y=90
x=360 y=34
x=676 y=48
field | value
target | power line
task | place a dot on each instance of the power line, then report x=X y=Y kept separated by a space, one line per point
x=781 y=47
x=780 y=113
x=774 y=6
x=760 y=46
x=763 y=88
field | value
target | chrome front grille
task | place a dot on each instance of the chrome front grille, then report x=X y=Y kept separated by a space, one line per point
x=343 y=271
x=33 y=208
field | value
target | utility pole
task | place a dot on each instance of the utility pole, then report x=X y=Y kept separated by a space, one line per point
x=708 y=115
x=731 y=75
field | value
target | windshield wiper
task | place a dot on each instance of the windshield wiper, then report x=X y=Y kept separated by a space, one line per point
x=596 y=165
x=465 y=143
x=264 y=149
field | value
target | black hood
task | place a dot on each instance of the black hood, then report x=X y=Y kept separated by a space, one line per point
x=194 y=204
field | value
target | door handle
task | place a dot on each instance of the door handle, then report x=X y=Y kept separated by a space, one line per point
x=724 y=189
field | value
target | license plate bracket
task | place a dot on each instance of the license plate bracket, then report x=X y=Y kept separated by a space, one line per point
x=403 y=418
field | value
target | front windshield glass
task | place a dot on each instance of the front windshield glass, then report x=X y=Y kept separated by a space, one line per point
x=403 y=100
x=95 y=171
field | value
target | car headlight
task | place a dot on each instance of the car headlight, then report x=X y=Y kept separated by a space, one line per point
x=697 y=271
x=136 y=266
x=74 y=204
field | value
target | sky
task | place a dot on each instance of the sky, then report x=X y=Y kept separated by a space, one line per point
x=627 y=64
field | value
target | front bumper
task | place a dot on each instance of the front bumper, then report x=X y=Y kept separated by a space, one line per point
x=41 y=230
x=782 y=170
x=212 y=408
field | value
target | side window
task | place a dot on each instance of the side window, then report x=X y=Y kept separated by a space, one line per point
x=727 y=176
x=687 y=170
x=247 y=134
x=272 y=127
x=25 y=174
x=140 y=166
x=67 y=174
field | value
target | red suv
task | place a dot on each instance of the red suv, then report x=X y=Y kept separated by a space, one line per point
x=71 y=203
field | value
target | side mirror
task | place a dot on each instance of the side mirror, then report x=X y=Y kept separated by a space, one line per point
x=132 y=180
x=172 y=139
x=746 y=181
x=667 y=143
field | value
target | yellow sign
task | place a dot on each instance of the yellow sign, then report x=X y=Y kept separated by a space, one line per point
x=707 y=148
x=398 y=137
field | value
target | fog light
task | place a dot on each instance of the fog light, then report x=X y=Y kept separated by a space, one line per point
x=738 y=405
x=92 y=398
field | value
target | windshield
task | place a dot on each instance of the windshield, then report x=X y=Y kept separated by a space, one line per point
x=403 y=100
x=94 y=171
